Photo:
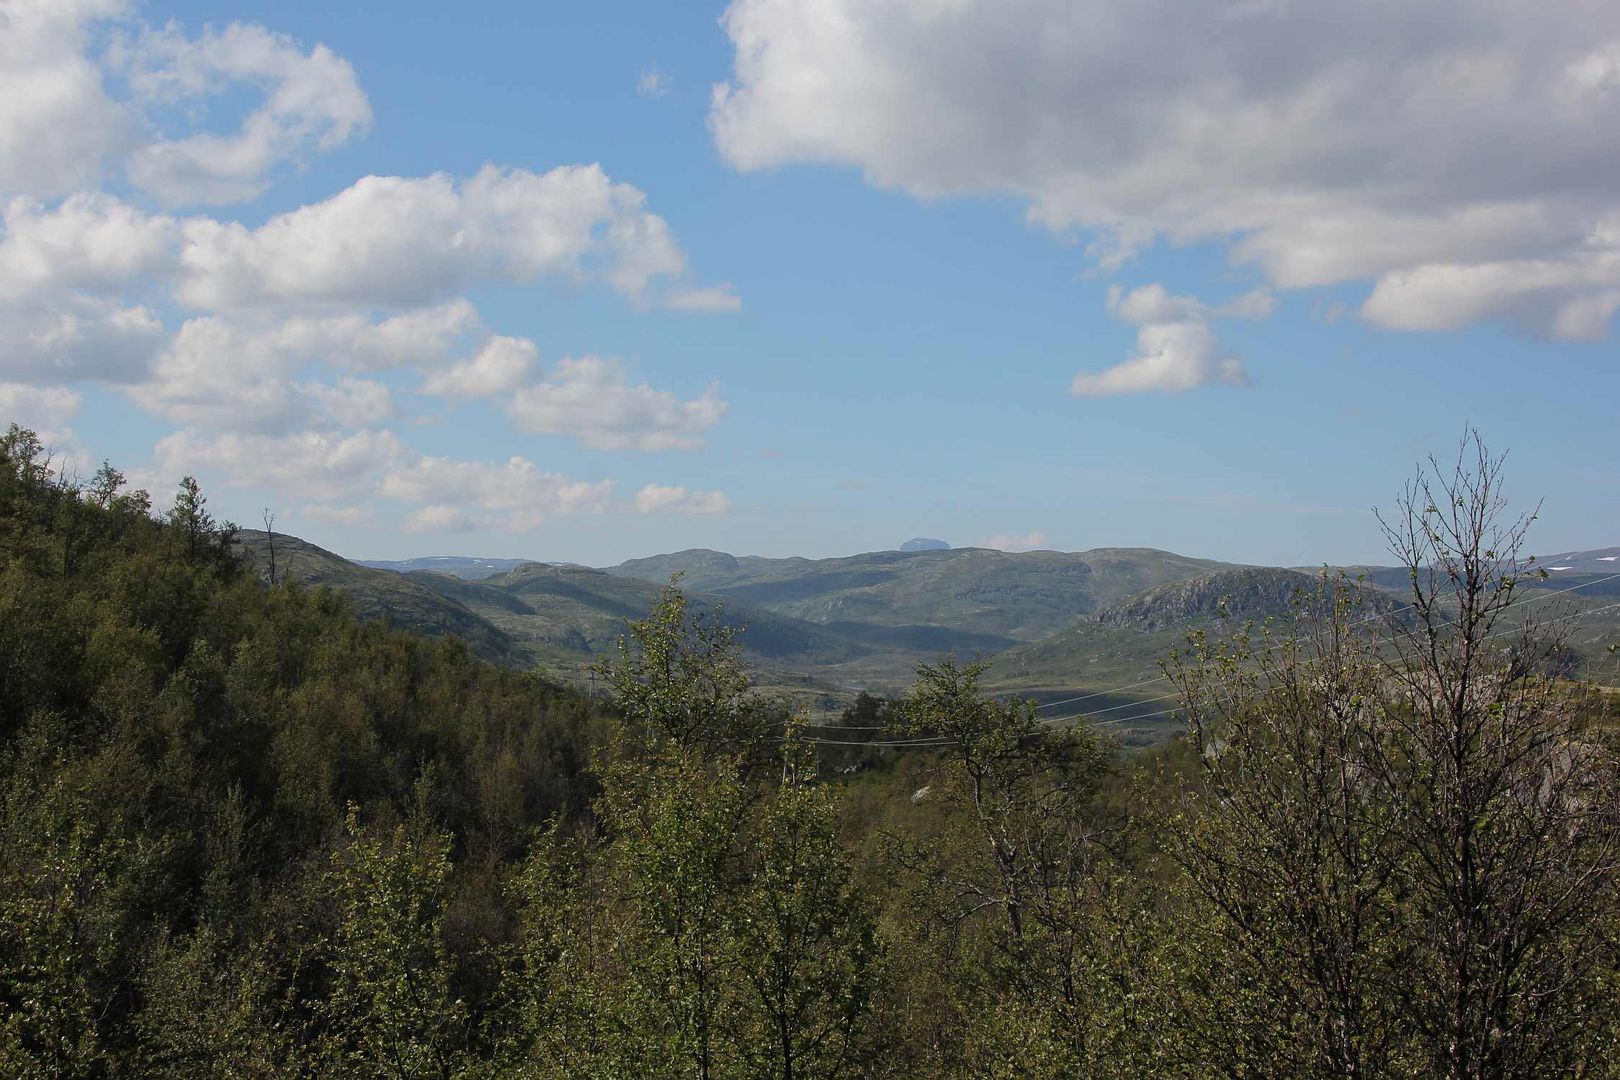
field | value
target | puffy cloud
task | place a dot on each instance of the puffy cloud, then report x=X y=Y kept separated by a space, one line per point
x=1576 y=298
x=1458 y=154
x=328 y=514
x=272 y=318
x=592 y=400
x=61 y=130
x=312 y=99
x=58 y=127
x=719 y=298
x=421 y=337
x=216 y=375
x=438 y=518
x=501 y=225
x=321 y=465
x=352 y=402
x=659 y=498
x=42 y=408
x=1169 y=358
x=340 y=470
x=1254 y=304
x=65 y=271
x=1154 y=304
x=1011 y=542
x=516 y=494
x=77 y=338
x=501 y=366
x=1175 y=348
x=219 y=373
x=89 y=241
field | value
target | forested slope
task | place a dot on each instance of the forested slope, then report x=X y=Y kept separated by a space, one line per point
x=186 y=754
x=244 y=833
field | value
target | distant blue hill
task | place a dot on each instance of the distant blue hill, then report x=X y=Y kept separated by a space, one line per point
x=923 y=543
x=466 y=567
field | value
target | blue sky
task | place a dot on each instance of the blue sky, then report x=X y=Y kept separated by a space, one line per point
x=910 y=238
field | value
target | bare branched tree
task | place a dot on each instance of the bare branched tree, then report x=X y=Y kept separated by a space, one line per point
x=1506 y=790
x=270 y=542
x=1290 y=840
x=1407 y=828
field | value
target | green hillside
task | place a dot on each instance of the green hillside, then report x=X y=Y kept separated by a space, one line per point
x=1122 y=646
x=377 y=594
x=574 y=609
x=1013 y=596
x=566 y=618
x=817 y=631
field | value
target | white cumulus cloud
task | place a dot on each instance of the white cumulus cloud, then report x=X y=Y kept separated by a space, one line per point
x=661 y=498
x=334 y=469
x=1457 y=154
x=1155 y=304
x=336 y=514
x=342 y=471
x=502 y=365
x=1169 y=358
x=423 y=337
x=58 y=126
x=77 y=338
x=254 y=337
x=62 y=130
x=311 y=100
x=438 y=518
x=42 y=408
x=500 y=225
x=516 y=494
x=322 y=465
x=592 y=400
x=351 y=402
x=89 y=241
x=1176 y=350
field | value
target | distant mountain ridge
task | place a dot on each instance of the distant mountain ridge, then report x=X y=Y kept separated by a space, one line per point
x=462 y=566
x=1598 y=561
x=1020 y=596
x=1055 y=624
x=816 y=628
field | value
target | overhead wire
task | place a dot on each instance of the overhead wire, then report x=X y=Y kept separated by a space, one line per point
x=1165 y=712
x=1051 y=722
x=1366 y=619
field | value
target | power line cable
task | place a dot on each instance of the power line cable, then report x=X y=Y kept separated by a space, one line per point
x=1052 y=721
x=1166 y=712
x=1366 y=619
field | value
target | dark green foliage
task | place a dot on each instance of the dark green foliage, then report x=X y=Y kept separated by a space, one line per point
x=245 y=832
x=180 y=749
